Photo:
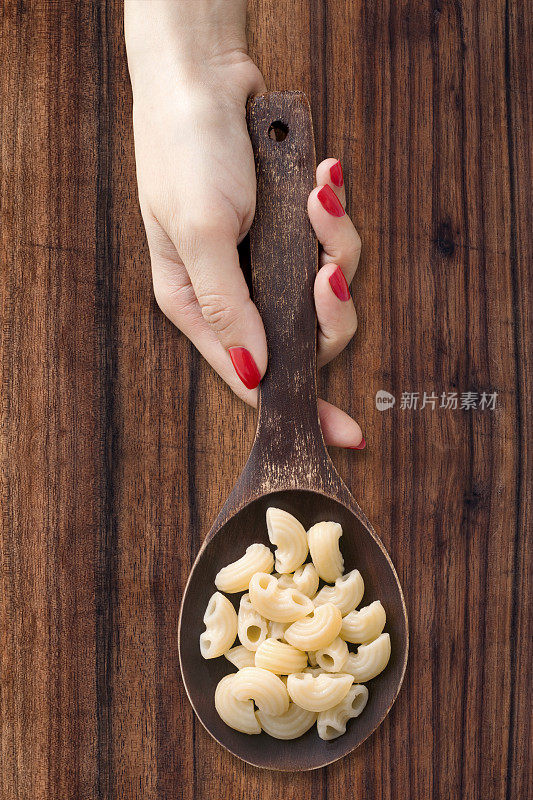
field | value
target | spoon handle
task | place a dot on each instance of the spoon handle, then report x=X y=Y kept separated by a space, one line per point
x=284 y=261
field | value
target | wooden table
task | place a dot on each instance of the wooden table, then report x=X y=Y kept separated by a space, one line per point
x=119 y=444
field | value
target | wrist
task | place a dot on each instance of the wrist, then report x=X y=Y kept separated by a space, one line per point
x=189 y=45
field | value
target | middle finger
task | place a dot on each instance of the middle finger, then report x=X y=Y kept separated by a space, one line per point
x=334 y=230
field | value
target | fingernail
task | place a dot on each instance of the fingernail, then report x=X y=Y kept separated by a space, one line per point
x=330 y=201
x=335 y=173
x=245 y=366
x=337 y=281
x=360 y=446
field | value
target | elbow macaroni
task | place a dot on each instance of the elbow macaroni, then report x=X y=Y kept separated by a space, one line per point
x=278 y=605
x=280 y=657
x=312 y=659
x=318 y=692
x=370 y=659
x=240 y=657
x=323 y=541
x=305 y=579
x=346 y=594
x=316 y=630
x=332 y=657
x=294 y=723
x=220 y=622
x=236 y=576
x=314 y=670
x=238 y=714
x=286 y=621
x=332 y=722
x=289 y=535
x=263 y=687
x=276 y=630
x=252 y=628
x=364 y=625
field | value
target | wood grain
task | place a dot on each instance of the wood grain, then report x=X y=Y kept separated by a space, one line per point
x=113 y=428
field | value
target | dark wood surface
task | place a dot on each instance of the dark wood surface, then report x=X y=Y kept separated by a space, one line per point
x=119 y=445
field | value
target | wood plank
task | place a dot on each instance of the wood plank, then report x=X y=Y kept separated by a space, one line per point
x=51 y=398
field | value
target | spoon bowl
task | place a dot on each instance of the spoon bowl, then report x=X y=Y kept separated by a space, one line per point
x=289 y=466
x=361 y=550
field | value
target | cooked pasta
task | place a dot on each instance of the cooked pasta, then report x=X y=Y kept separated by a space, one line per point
x=318 y=692
x=314 y=670
x=370 y=659
x=252 y=628
x=220 y=621
x=278 y=605
x=238 y=714
x=289 y=535
x=240 y=656
x=280 y=657
x=263 y=687
x=346 y=593
x=364 y=625
x=305 y=579
x=294 y=723
x=332 y=722
x=323 y=539
x=294 y=669
x=316 y=630
x=332 y=657
x=276 y=630
x=236 y=576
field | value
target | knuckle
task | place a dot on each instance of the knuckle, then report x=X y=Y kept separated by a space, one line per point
x=160 y=299
x=195 y=225
x=352 y=329
x=354 y=249
x=192 y=227
x=175 y=301
x=338 y=338
x=218 y=311
x=165 y=305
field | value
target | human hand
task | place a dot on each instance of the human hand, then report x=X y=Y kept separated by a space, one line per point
x=197 y=190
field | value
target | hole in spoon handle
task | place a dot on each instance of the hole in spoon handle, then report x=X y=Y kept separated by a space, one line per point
x=284 y=262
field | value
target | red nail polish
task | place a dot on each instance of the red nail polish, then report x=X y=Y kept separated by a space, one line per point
x=360 y=446
x=330 y=201
x=245 y=366
x=337 y=281
x=336 y=175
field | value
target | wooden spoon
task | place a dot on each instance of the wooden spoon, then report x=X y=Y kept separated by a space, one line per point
x=289 y=466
